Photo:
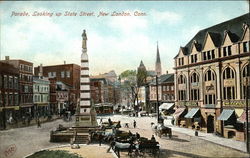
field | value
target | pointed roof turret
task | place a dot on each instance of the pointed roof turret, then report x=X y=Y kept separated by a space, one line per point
x=141 y=64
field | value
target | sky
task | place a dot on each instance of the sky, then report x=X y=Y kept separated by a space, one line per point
x=114 y=42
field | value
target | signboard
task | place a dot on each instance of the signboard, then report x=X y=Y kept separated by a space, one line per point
x=188 y=103
x=238 y=103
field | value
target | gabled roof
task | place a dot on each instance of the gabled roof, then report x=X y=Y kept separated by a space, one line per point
x=217 y=31
x=163 y=79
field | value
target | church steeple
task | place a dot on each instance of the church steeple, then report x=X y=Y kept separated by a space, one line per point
x=158 y=62
x=84 y=40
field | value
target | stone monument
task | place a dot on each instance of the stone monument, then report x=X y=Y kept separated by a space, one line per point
x=85 y=114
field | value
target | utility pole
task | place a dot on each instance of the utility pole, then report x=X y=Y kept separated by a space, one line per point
x=247 y=91
x=157 y=100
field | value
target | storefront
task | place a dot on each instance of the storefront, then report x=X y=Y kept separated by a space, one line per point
x=193 y=119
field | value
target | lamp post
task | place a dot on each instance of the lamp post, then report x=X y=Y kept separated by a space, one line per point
x=157 y=100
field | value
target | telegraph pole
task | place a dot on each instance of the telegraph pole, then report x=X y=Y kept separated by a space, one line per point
x=157 y=100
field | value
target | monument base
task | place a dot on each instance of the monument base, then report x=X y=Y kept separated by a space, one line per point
x=86 y=120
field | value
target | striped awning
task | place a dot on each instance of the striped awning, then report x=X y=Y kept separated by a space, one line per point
x=226 y=114
x=191 y=113
x=178 y=112
x=243 y=117
x=166 y=106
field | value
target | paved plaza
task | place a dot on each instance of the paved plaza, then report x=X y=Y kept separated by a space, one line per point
x=183 y=144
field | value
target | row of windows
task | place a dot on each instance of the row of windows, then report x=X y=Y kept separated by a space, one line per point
x=26 y=78
x=40 y=88
x=209 y=55
x=26 y=98
x=228 y=73
x=167 y=88
x=8 y=99
x=168 y=97
x=26 y=68
x=64 y=74
x=41 y=98
x=8 y=82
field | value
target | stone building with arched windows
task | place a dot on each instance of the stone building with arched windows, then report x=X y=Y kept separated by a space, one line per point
x=211 y=73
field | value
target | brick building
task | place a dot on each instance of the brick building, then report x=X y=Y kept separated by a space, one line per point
x=9 y=93
x=68 y=74
x=25 y=70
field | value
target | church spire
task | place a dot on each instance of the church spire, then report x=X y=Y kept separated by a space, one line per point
x=84 y=40
x=158 y=62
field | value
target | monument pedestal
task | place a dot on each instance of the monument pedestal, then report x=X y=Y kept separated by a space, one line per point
x=86 y=119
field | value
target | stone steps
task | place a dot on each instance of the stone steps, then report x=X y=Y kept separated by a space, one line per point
x=81 y=139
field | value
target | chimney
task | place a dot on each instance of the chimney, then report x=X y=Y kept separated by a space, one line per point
x=40 y=74
x=7 y=58
x=64 y=62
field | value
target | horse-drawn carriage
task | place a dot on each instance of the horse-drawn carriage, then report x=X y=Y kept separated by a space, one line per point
x=160 y=130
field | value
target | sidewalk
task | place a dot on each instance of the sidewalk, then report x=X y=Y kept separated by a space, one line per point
x=238 y=145
x=32 y=122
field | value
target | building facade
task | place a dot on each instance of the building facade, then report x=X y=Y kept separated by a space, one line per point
x=9 y=95
x=25 y=70
x=68 y=74
x=210 y=78
x=41 y=96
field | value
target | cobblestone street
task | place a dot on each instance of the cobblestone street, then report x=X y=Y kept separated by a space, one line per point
x=30 y=139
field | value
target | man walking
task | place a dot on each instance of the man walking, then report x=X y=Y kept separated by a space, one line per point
x=38 y=123
x=134 y=124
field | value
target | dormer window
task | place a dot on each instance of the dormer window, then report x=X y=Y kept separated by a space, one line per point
x=194 y=58
x=181 y=61
x=208 y=55
x=227 y=51
x=245 y=47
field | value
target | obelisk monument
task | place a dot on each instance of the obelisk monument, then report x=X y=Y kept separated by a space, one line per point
x=86 y=115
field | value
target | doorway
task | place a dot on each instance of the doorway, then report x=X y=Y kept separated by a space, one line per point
x=210 y=124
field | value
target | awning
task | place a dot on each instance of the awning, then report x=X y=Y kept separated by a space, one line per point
x=239 y=112
x=166 y=106
x=191 y=113
x=226 y=114
x=178 y=112
x=243 y=117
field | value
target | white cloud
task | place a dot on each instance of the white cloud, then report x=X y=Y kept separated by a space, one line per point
x=166 y=17
x=189 y=32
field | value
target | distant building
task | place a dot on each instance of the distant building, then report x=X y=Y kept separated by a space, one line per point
x=165 y=91
x=68 y=74
x=62 y=96
x=41 y=96
x=25 y=70
x=210 y=78
x=9 y=95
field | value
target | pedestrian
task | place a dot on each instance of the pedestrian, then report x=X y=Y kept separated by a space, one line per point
x=100 y=139
x=134 y=124
x=38 y=123
x=100 y=121
x=110 y=122
x=137 y=135
x=153 y=138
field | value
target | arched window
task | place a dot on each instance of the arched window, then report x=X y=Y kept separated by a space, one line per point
x=181 y=79
x=194 y=78
x=228 y=73
x=246 y=71
x=209 y=76
x=245 y=74
x=228 y=90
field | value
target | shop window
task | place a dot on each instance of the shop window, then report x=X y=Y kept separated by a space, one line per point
x=229 y=93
